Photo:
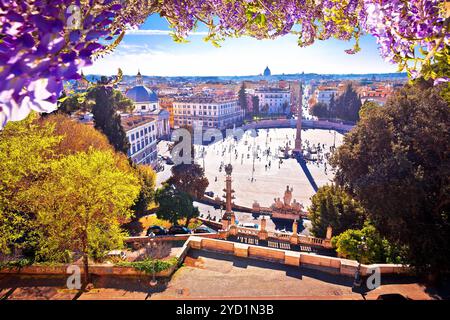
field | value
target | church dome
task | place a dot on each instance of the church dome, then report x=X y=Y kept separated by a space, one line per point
x=267 y=72
x=142 y=94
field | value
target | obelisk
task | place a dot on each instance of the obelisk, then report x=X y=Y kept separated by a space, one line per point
x=298 y=137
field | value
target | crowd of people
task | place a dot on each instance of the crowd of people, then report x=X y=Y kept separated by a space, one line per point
x=244 y=150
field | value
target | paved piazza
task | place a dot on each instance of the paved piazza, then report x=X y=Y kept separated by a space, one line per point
x=267 y=183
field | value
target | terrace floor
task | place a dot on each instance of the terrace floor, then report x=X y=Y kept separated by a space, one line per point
x=210 y=275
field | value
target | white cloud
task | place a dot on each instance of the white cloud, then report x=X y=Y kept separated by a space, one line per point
x=242 y=56
x=149 y=32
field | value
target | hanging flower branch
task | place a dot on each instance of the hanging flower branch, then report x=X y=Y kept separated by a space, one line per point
x=44 y=42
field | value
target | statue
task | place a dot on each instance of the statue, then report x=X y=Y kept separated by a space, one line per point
x=296 y=206
x=288 y=196
x=228 y=169
x=277 y=203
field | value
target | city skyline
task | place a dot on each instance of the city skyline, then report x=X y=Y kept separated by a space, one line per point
x=152 y=50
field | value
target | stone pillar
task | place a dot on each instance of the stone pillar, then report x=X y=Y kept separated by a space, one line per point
x=228 y=194
x=262 y=233
x=263 y=223
x=295 y=227
x=294 y=237
x=329 y=233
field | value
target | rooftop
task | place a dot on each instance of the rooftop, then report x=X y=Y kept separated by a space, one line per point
x=134 y=121
x=141 y=93
x=271 y=89
x=207 y=99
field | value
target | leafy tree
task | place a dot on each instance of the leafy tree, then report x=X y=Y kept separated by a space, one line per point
x=189 y=178
x=332 y=206
x=396 y=163
x=347 y=105
x=69 y=104
x=107 y=102
x=80 y=205
x=255 y=105
x=331 y=106
x=174 y=204
x=366 y=246
x=25 y=147
x=147 y=177
x=367 y=107
x=76 y=136
x=54 y=190
x=243 y=98
x=320 y=110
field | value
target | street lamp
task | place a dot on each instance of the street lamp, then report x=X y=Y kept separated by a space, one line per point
x=152 y=245
x=361 y=248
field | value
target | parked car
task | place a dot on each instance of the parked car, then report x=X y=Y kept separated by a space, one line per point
x=157 y=231
x=250 y=225
x=117 y=254
x=210 y=194
x=179 y=230
x=204 y=229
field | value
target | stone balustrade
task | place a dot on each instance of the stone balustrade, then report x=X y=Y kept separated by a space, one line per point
x=293 y=258
x=283 y=236
x=247 y=231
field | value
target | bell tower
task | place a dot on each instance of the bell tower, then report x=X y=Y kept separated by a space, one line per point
x=139 y=80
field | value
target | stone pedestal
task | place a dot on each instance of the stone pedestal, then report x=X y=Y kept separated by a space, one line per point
x=233 y=230
x=225 y=223
x=294 y=237
x=262 y=233
x=329 y=233
x=223 y=234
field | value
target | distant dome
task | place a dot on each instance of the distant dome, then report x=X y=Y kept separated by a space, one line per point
x=142 y=94
x=267 y=72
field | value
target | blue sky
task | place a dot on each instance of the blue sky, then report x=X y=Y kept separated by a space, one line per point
x=153 y=51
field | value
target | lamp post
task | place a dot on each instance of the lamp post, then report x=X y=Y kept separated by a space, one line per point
x=361 y=248
x=152 y=244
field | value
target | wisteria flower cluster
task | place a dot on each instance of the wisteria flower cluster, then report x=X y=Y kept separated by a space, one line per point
x=409 y=33
x=44 y=42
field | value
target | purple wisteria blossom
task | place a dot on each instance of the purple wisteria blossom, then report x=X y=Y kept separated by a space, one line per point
x=46 y=42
